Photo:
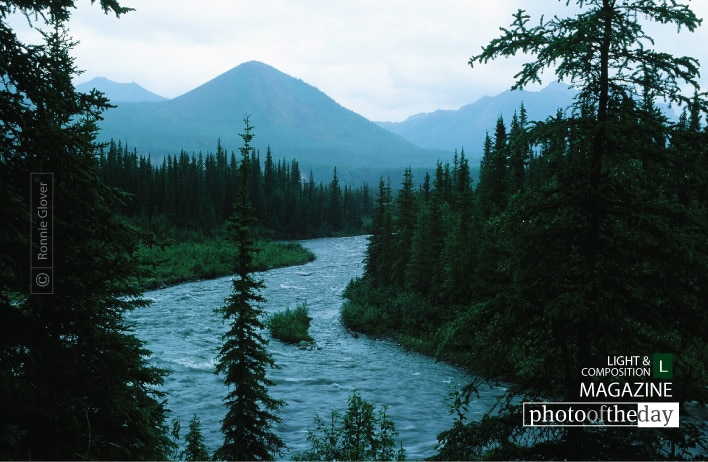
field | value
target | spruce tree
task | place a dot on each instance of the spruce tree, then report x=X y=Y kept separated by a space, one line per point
x=334 y=203
x=404 y=222
x=74 y=381
x=243 y=357
x=380 y=252
x=195 y=448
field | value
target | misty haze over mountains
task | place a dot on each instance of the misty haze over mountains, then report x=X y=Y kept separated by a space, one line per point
x=120 y=92
x=298 y=121
x=467 y=126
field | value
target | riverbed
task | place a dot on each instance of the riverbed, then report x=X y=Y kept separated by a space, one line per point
x=184 y=335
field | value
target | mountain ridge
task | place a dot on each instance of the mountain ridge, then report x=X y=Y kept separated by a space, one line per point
x=467 y=126
x=293 y=118
x=298 y=121
x=120 y=92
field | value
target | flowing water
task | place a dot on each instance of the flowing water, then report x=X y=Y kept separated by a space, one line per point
x=184 y=334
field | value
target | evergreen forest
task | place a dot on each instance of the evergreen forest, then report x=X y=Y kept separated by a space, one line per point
x=585 y=238
x=196 y=193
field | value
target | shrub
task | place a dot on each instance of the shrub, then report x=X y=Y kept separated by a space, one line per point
x=361 y=434
x=280 y=254
x=291 y=326
x=365 y=318
x=210 y=257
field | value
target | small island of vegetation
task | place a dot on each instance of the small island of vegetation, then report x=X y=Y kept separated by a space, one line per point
x=291 y=326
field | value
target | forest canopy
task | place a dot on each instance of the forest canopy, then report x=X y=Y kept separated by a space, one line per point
x=584 y=239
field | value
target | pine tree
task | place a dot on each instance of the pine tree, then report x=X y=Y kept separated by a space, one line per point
x=493 y=174
x=74 y=380
x=423 y=258
x=404 y=222
x=243 y=357
x=195 y=449
x=380 y=252
x=518 y=150
x=460 y=249
x=334 y=203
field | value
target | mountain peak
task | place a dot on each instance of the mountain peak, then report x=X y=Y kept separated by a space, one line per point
x=557 y=86
x=249 y=67
x=293 y=118
x=256 y=65
x=251 y=77
x=119 y=92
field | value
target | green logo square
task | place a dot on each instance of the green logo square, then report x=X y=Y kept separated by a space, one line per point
x=662 y=365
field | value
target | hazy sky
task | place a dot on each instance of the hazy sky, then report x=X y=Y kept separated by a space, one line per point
x=384 y=59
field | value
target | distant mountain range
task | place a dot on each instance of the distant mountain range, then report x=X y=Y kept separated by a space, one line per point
x=298 y=121
x=120 y=92
x=466 y=127
x=295 y=119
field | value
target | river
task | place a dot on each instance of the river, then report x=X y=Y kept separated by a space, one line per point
x=184 y=335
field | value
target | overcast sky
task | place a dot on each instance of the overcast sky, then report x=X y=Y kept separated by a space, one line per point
x=384 y=59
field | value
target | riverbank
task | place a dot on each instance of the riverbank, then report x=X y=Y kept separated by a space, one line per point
x=210 y=258
x=182 y=329
x=404 y=317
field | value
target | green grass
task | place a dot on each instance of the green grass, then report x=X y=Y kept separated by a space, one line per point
x=210 y=258
x=291 y=326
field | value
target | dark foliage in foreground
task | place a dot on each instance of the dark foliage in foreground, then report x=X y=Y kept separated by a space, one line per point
x=74 y=380
x=586 y=237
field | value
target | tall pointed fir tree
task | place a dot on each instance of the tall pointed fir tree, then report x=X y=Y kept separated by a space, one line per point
x=405 y=206
x=74 y=381
x=379 y=258
x=243 y=358
x=195 y=448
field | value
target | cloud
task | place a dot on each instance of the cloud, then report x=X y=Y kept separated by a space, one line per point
x=385 y=60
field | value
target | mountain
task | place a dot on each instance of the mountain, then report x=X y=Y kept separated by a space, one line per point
x=467 y=126
x=119 y=92
x=295 y=119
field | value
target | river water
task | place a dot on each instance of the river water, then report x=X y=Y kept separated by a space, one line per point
x=184 y=335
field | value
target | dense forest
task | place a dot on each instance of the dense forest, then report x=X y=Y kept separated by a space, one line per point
x=197 y=193
x=584 y=238
x=493 y=277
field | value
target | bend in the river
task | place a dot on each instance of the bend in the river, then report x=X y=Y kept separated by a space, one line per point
x=184 y=334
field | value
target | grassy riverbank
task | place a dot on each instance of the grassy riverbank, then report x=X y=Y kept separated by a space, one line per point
x=210 y=258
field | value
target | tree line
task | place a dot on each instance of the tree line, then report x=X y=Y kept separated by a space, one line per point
x=584 y=238
x=197 y=192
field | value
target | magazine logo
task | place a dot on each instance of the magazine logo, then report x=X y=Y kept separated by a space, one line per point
x=628 y=410
x=662 y=365
x=583 y=414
